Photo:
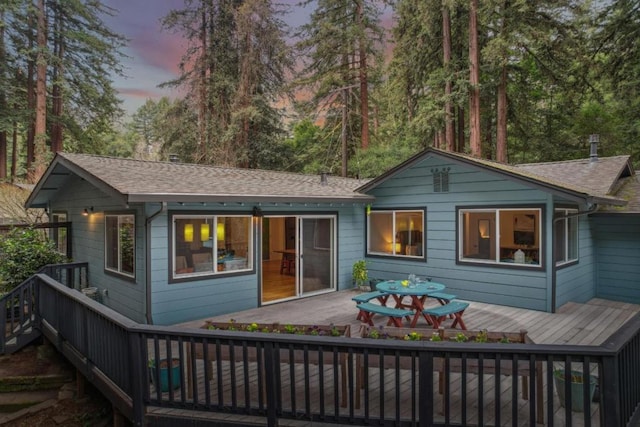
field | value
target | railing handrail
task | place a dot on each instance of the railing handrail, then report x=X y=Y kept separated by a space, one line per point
x=117 y=318
x=606 y=354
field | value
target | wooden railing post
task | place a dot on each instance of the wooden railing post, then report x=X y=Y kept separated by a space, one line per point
x=137 y=369
x=271 y=383
x=610 y=392
x=425 y=389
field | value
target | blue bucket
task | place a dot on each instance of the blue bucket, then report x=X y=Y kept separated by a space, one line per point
x=176 y=375
x=577 y=388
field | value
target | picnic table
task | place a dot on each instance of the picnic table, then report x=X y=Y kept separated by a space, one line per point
x=417 y=293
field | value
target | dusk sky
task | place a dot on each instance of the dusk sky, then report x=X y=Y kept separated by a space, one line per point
x=154 y=54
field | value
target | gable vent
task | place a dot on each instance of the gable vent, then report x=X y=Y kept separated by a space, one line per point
x=440 y=180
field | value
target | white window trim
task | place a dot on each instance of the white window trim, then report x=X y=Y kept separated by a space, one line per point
x=565 y=249
x=393 y=233
x=497 y=261
x=119 y=270
x=214 y=248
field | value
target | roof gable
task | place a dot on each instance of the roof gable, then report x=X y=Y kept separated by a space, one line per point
x=590 y=182
x=147 y=181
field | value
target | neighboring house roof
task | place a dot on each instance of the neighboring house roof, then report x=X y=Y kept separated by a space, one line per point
x=590 y=182
x=146 y=181
x=630 y=191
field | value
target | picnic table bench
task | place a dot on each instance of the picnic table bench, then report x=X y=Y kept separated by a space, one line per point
x=368 y=296
x=395 y=315
x=437 y=314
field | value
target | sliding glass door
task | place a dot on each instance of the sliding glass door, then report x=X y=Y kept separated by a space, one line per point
x=317 y=254
x=299 y=256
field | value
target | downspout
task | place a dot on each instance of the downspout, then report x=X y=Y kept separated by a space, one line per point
x=592 y=207
x=147 y=286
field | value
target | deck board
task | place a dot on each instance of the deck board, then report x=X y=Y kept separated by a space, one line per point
x=589 y=324
x=584 y=324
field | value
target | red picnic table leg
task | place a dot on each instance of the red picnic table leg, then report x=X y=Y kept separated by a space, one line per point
x=458 y=320
x=417 y=304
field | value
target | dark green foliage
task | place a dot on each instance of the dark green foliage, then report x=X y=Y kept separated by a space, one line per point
x=234 y=73
x=23 y=251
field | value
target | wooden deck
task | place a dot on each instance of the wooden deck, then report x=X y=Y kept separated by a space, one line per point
x=585 y=324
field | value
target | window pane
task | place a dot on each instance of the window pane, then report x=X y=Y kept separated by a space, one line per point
x=409 y=233
x=572 y=237
x=520 y=236
x=478 y=235
x=127 y=244
x=211 y=244
x=111 y=242
x=234 y=240
x=193 y=245
x=560 y=240
x=381 y=232
x=59 y=235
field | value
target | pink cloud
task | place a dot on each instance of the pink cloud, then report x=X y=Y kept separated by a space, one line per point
x=139 y=93
x=160 y=50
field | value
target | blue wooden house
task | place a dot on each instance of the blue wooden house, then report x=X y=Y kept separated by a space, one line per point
x=170 y=242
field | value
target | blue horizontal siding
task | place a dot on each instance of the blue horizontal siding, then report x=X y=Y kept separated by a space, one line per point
x=467 y=187
x=577 y=282
x=184 y=301
x=123 y=295
x=618 y=256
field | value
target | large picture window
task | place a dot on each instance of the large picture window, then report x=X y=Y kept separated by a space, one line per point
x=566 y=237
x=120 y=244
x=211 y=244
x=500 y=236
x=396 y=233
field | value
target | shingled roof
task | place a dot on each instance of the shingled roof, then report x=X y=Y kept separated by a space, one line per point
x=148 y=181
x=599 y=177
x=592 y=182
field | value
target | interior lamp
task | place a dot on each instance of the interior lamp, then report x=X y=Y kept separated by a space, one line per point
x=220 y=231
x=398 y=246
x=188 y=233
x=204 y=232
x=483 y=228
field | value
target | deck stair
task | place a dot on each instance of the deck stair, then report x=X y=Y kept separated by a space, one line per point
x=29 y=379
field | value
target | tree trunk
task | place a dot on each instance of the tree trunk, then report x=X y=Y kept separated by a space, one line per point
x=501 y=131
x=474 y=81
x=3 y=154
x=461 y=136
x=202 y=110
x=31 y=99
x=57 y=106
x=364 y=84
x=449 y=133
x=3 y=104
x=14 y=149
x=40 y=136
x=343 y=132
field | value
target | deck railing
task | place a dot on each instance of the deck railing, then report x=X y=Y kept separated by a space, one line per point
x=335 y=380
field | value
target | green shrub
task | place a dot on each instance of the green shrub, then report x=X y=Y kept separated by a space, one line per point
x=23 y=251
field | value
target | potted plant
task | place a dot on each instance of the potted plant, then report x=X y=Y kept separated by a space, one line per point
x=163 y=365
x=577 y=387
x=361 y=275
